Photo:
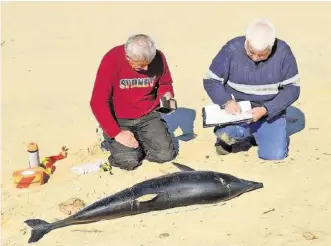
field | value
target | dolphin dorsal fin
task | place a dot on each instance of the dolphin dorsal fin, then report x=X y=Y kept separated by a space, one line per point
x=182 y=167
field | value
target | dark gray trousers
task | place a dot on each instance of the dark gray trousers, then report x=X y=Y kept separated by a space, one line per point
x=155 y=142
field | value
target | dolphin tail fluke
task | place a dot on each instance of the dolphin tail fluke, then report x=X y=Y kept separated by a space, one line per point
x=252 y=185
x=39 y=229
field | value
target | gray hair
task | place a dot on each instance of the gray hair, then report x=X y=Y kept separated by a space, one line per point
x=261 y=34
x=140 y=47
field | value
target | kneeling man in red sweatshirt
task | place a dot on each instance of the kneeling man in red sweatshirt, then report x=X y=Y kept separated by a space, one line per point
x=130 y=81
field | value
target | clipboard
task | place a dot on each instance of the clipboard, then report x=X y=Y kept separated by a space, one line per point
x=225 y=119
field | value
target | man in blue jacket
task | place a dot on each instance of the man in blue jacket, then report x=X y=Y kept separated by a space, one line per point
x=262 y=69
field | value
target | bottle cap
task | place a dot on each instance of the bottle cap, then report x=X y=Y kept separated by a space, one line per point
x=32 y=147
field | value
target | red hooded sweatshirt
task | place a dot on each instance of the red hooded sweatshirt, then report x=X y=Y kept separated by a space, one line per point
x=122 y=92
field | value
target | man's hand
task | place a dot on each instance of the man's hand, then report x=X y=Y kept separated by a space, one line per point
x=258 y=113
x=232 y=107
x=167 y=95
x=127 y=139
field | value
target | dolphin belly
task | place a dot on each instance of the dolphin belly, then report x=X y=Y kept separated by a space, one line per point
x=195 y=190
x=111 y=211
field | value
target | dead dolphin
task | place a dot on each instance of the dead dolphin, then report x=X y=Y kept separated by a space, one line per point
x=177 y=189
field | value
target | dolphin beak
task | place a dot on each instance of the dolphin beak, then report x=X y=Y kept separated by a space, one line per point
x=252 y=185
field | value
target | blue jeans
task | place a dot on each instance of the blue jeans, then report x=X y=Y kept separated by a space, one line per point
x=271 y=137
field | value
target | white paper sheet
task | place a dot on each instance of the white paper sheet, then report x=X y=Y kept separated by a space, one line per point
x=215 y=115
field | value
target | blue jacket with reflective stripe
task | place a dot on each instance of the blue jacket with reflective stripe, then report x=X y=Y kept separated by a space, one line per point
x=273 y=83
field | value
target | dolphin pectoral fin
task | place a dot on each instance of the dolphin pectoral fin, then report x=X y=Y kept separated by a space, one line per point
x=182 y=167
x=147 y=197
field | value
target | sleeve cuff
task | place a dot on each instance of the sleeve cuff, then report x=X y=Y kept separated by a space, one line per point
x=113 y=131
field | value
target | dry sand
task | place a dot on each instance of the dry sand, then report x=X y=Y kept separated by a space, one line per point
x=50 y=53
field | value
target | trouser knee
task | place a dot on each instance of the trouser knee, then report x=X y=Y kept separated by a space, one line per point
x=162 y=155
x=274 y=154
x=125 y=163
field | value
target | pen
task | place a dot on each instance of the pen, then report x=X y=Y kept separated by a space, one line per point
x=232 y=96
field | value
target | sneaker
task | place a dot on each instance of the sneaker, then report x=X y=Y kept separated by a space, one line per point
x=105 y=145
x=224 y=144
x=252 y=141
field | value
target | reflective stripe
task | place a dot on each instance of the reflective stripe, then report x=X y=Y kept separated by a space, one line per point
x=255 y=89
x=270 y=89
x=211 y=75
x=295 y=80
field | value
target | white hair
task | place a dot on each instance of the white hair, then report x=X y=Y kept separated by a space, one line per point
x=140 y=47
x=261 y=34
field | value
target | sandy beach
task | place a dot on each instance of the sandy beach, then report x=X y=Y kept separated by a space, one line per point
x=50 y=54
